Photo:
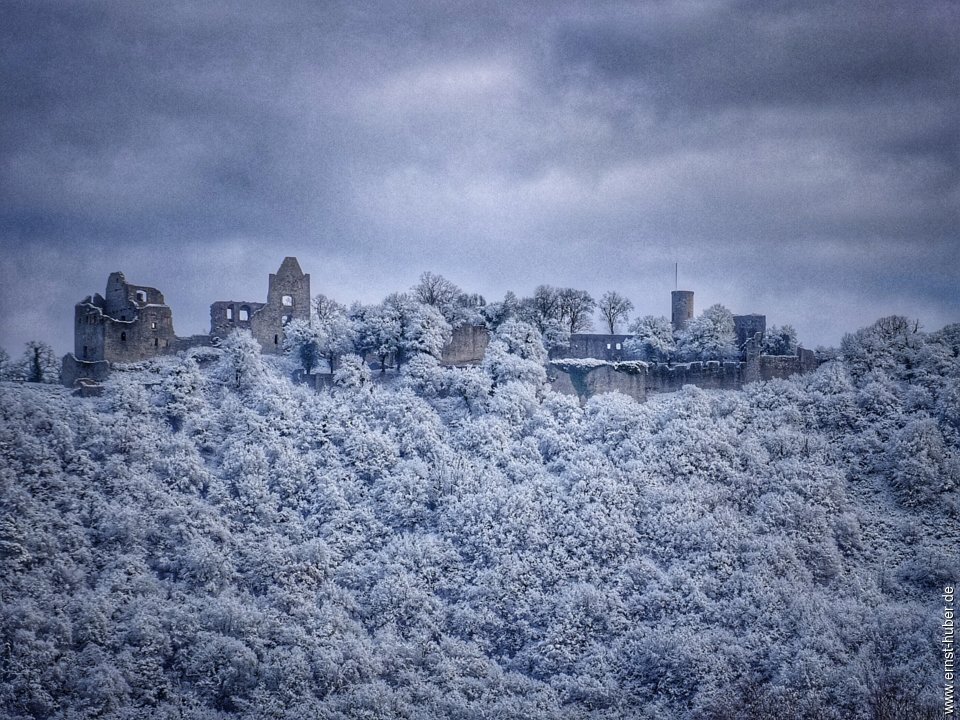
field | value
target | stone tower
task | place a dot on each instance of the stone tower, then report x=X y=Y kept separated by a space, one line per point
x=288 y=298
x=681 y=308
x=746 y=326
x=131 y=323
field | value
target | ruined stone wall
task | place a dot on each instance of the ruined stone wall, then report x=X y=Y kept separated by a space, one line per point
x=129 y=324
x=146 y=334
x=180 y=344
x=288 y=298
x=713 y=374
x=72 y=370
x=773 y=367
x=228 y=315
x=748 y=326
x=467 y=345
x=593 y=345
x=584 y=380
x=88 y=329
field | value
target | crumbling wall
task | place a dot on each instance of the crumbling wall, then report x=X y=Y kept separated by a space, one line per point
x=586 y=379
x=73 y=370
x=131 y=323
x=288 y=299
x=712 y=374
x=228 y=315
x=749 y=326
x=773 y=367
x=593 y=345
x=467 y=345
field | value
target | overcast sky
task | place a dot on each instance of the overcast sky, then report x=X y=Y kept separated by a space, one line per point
x=799 y=159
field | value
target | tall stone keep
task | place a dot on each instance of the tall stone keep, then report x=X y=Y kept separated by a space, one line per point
x=288 y=298
x=131 y=323
x=681 y=308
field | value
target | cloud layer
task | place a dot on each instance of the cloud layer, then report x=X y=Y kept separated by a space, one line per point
x=798 y=159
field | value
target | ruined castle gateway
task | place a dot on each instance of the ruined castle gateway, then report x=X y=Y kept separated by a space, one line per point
x=288 y=298
x=681 y=308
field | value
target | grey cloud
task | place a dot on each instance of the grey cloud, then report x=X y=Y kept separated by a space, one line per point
x=778 y=150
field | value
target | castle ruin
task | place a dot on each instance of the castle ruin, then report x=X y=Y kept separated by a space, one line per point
x=288 y=298
x=131 y=323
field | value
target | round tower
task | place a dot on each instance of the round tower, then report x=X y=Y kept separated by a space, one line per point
x=681 y=308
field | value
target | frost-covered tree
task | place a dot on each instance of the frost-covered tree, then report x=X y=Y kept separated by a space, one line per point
x=711 y=336
x=890 y=342
x=467 y=543
x=379 y=330
x=6 y=367
x=424 y=331
x=241 y=364
x=336 y=336
x=575 y=308
x=401 y=327
x=436 y=290
x=496 y=313
x=780 y=341
x=542 y=310
x=652 y=339
x=38 y=364
x=614 y=308
x=325 y=308
x=516 y=353
x=301 y=339
x=352 y=372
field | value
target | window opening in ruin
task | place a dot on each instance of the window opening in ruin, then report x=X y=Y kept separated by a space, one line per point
x=123 y=337
x=608 y=346
x=619 y=346
x=244 y=314
x=285 y=319
x=156 y=342
x=153 y=326
x=275 y=340
x=141 y=296
x=287 y=300
x=230 y=314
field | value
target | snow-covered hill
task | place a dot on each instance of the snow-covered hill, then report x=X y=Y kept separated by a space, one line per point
x=209 y=540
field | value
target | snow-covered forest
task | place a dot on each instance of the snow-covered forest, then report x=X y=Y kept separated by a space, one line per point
x=210 y=540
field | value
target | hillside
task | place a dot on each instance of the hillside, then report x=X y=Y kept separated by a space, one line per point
x=209 y=540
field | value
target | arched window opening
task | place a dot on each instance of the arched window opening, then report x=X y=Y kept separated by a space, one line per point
x=153 y=326
x=229 y=314
x=244 y=314
x=141 y=296
x=287 y=300
x=123 y=337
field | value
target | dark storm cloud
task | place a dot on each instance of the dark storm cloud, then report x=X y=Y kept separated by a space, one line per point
x=798 y=158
